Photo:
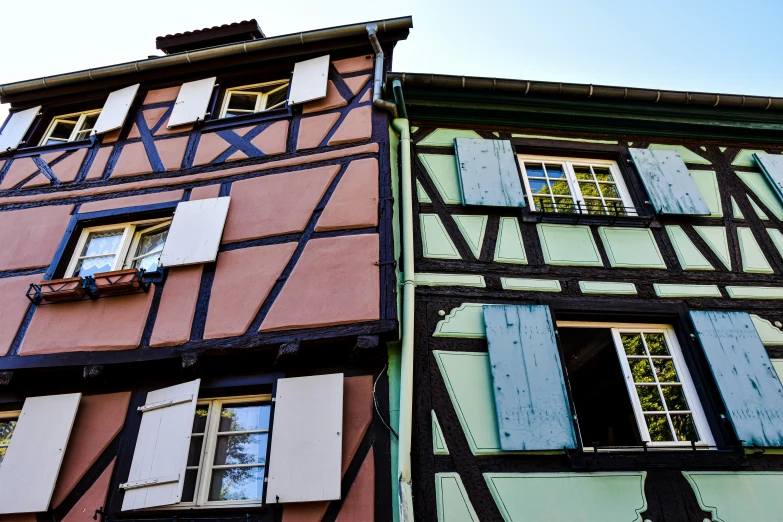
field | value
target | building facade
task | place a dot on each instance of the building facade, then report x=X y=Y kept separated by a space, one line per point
x=598 y=302
x=197 y=281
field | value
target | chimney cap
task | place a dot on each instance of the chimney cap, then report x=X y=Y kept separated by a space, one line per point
x=210 y=37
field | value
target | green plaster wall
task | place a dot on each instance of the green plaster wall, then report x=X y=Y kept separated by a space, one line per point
x=687 y=254
x=717 y=239
x=687 y=155
x=421 y=194
x=510 y=247
x=707 y=183
x=472 y=228
x=560 y=138
x=530 y=285
x=735 y=211
x=753 y=260
x=745 y=158
x=435 y=241
x=568 y=497
x=394 y=419
x=770 y=334
x=778 y=365
x=760 y=213
x=739 y=496
x=466 y=322
x=452 y=499
x=631 y=247
x=605 y=287
x=568 y=245
x=439 y=446
x=755 y=292
x=757 y=183
x=777 y=238
x=394 y=147
x=667 y=290
x=430 y=279
x=445 y=137
x=442 y=170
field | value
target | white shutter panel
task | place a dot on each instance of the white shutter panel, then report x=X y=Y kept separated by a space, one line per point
x=157 y=472
x=16 y=128
x=306 y=457
x=310 y=80
x=192 y=102
x=194 y=236
x=31 y=464
x=115 y=110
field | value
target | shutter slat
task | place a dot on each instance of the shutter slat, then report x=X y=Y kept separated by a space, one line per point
x=306 y=454
x=115 y=110
x=669 y=186
x=772 y=167
x=15 y=129
x=192 y=102
x=488 y=173
x=32 y=461
x=530 y=394
x=747 y=381
x=162 y=447
x=195 y=233
x=310 y=80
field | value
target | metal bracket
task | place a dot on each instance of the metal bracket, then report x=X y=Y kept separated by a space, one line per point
x=167 y=479
x=165 y=404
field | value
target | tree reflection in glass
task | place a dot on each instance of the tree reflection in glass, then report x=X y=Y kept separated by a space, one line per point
x=6 y=431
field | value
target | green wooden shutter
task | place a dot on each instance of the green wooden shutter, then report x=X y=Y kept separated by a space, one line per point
x=669 y=186
x=748 y=383
x=772 y=166
x=530 y=394
x=488 y=173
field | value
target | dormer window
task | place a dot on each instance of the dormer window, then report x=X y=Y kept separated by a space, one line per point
x=70 y=127
x=250 y=99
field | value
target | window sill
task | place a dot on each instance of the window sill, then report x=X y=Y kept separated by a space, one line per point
x=118 y=282
x=64 y=147
x=249 y=119
x=638 y=221
x=662 y=457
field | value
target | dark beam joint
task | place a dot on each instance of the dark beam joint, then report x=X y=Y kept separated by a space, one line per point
x=189 y=361
x=5 y=377
x=94 y=371
x=365 y=346
x=287 y=352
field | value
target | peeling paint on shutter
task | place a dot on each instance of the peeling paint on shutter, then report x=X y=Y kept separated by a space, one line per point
x=748 y=383
x=488 y=173
x=16 y=127
x=530 y=394
x=669 y=186
x=772 y=167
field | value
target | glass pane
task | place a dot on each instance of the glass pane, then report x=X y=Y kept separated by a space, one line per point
x=684 y=427
x=237 y=484
x=665 y=370
x=615 y=207
x=244 y=417
x=649 y=398
x=543 y=204
x=565 y=205
x=656 y=343
x=51 y=141
x=101 y=243
x=89 y=121
x=249 y=448
x=583 y=173
x=641 y=371
x=538 y=186
x=194 y=453
x=561 y=188
x=94 y=265
x=242 y=102
x=62 y=130
x=277 y=98
x=674 y=397
x=6 y=430
x=149 y=263
x=632 y=343
x=534 y=170
x=609 y=191
x=589 y=189
x=189 y=489
x=200 y=418
x=555 y=171
x=603 y=174
x=658 y=426
x=595 y=206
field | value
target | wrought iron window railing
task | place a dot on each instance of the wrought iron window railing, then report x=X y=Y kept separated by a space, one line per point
x=589 y=213
x=98 y=285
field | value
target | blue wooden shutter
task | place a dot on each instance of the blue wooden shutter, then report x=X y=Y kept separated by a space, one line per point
x=669 y=186
x=488 y=173
x=750 y=388
x=772 y=166
x=530 y=393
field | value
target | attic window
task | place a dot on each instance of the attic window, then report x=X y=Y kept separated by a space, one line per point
x=250 y=99
x=70 y=127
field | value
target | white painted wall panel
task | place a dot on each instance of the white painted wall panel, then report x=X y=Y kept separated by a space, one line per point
x=31 y=464
x=192 y=102
x=115 y=110
x=16 y=128
x=305 y=461
x=194 y=236
x=161 y=452
x=310 y=80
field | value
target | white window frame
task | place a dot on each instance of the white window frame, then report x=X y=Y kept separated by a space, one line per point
x=209 y=443
x=76 y=130
x=13 y=414
x=261 y=96
x=128 y=244
x=689 y=389
x=568 y=164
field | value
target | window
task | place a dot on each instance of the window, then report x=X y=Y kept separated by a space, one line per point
x=113 y=247
x=70 y=127
x=227 y=458
x=631 y=386
x=572 y=185
x=7 y=425
x=254 y=98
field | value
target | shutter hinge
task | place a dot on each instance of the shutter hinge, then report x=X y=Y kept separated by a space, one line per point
x=165 y=404
x=167 y=479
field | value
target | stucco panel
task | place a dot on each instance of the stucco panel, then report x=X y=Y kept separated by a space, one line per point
x=67 y=170
x=132 y=201
x=177 y=306
x=168 y=94
x=359 y=504
x=13 y=307
x=30 y=237
x=210 y=146
x=95 y=498
x=333 y=100
x=354 y=203
x=273 y=139
x=314 y=129
x=19 y=170
x=357 y=126
x=99 y=163
x=133 y=160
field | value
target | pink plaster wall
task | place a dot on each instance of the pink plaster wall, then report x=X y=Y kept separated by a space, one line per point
x=168 y=94
x=132 y=201
x=275 y=204
x=356 y=83
x=151 y=117
x=359 y=504
x=210 y=146
x=13 y=307
x=357 y=126
x=273 y=139
x=355 y=64
x=99 y=163
x=314 y=129
x=113 y=323
x=19 y=170
x=38 y=181
x=67 y=170
x=133 y=161
x=207 y=192
x=354 y=203
x=19 y=517
x=95 y=498
x=171 y=151
x=333 y=100
x=30 y=237
x=336 y=281
x=177 y=306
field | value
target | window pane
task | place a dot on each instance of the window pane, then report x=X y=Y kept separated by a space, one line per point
x=565 y=205
x=534 y=170
x=538 y=186
x=277 y=98
x=665 y=370
x=561 y=188
x=249 y=448
x=237 y=484
x=658 y=426
x=189 y=488
x=200 y=418
x=102 y=243
x=62 y=130
x=589 y=189
x=656 y=343
x=152 y=242
x=543 y=204
x=603 y=174
x=684 y=427
x=242 y=102
x=244 y=417
x=609 y=191
x=675 y=398
x=595 y=206
x=555 y=171
x=94 y=265
x=641 y=371
x=89 y=121
x=632 y=343
x=649 y=398
x=194 y=452
x=583 y=173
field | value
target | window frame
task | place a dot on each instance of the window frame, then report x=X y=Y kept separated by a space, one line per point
x=568 y=163
x=261 y=97
x=700 y=421
x=11 y=414
x=206 y=465
x=83 y=115
x=128 y=243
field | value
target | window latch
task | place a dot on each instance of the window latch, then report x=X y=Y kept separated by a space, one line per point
x=166 y=479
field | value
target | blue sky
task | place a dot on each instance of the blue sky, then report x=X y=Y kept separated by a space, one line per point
x=696 y=45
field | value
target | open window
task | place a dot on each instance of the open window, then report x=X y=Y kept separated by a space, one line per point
x=249 y=99
x=70 y=127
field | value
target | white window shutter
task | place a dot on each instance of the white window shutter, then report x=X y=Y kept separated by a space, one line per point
x=192 y=102
x=31 y=464
x=16 y=128
x=157 y=472
x=306 y=457
x=194 y=236
x=115 y=110
x=310 y=80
